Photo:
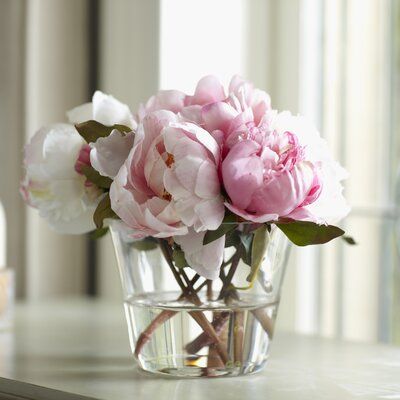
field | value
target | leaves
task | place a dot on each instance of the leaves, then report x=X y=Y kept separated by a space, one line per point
x=93 y=176
x=229 y=223
x=145 y=244
x=99 y=233
x=303 y=233
x=91 y=130
x=349 y=240
x=258 y=248
x=232 y=239
x=103 y=211
x=179 y=258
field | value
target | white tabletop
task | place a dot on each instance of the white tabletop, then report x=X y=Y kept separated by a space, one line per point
x=81 y=347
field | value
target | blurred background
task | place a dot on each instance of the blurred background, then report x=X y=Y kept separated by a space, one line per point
x=336 y=61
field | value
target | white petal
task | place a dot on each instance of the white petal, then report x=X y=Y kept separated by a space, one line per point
x=109 y=111
x=80 y=114
x=205 y=260
x=109 y=153
x=60 y=151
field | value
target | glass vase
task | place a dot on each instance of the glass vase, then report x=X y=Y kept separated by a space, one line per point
x=222 y=330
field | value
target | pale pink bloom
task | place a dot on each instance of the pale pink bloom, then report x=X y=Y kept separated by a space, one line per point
x=138 y=195
x=52 y=183
x=192 y=177
x=266 y=176
x=243 y=95
x=208 y=90
x=205 y=260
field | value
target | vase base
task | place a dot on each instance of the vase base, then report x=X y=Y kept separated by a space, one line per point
x=189 y=369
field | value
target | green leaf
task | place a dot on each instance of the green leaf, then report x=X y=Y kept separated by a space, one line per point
x=145 y=244
x=93 y=176
x=303 y=233
x=258 y=248
x=232 y=239
x=179 y=258
x=91 y=130
x=99 y=233
x=103 y=211
x=122 y=128
x=349 y=240
x=229 y=223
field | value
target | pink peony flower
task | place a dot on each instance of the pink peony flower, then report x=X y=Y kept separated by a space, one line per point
x=267 y=177
x=170 y=179
x=271 y=172
x=138 y=195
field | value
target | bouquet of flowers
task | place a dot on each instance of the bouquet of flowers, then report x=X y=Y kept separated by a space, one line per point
x=192 y=173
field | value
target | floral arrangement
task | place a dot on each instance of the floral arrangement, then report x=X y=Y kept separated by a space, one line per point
x=190 y=168
x=194 y=174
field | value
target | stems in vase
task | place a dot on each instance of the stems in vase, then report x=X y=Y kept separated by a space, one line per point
x=191 y=295
x=238 y=328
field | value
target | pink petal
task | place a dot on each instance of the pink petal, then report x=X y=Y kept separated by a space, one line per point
x=192 y=114
x=302 y=214
x=207 y=182
x=208 y=90
x=283 y=194
x=173 y=186
x=210 y=214
x=171 y=100
x=202 y=136
x=259 y=218
x=218 y=116
x=242 y=173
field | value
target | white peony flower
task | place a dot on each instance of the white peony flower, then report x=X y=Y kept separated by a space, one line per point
x=52 y=184
x=109 y=153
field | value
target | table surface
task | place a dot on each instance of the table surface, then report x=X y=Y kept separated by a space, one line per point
x=81 y=347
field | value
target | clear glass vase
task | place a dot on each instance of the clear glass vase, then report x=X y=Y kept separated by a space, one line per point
x=216 y=335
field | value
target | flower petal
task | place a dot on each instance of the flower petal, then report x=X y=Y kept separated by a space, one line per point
x=109 y=111
x=208 y=90
x=109 y=153
x=205 y=260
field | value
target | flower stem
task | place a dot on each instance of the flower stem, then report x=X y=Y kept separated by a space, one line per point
x=203 y=339
x=190 y=294
x=161 y=318
x=238 y=328
x=228 y=279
